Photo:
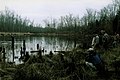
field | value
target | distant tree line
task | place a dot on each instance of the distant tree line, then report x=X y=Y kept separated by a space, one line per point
x=9 y=22
x=107 y=18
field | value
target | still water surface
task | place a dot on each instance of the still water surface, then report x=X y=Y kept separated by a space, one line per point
x=48 y=43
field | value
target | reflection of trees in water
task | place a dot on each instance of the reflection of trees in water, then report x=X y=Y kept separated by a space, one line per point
x=58 y=43
x=7 y=46
x=49 y=43
x=4 y=38
x=49 y=40
x=65 y=45
x=8 y=49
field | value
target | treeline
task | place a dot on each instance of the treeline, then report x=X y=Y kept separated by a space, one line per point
x=107 y=18
x=92 y=22
x=9 y=22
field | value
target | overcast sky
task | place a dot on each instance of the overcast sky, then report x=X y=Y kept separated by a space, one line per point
x=39 y=10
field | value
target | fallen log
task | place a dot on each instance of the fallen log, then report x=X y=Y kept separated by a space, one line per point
x=33 y=51
x=62 y=51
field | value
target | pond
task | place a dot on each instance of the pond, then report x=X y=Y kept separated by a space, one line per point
x=48 y=43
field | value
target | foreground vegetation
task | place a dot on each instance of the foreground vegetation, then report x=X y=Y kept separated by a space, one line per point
x=70 y=66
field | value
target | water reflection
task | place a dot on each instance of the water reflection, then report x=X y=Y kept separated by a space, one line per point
x=48 y=43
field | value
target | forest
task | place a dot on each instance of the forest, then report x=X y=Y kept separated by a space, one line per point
x=65 y=65
x=107 y=18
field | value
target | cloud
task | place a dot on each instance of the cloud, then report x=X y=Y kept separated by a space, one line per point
x=38 y=9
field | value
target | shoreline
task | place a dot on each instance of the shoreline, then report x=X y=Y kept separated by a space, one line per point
x=36 y=34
